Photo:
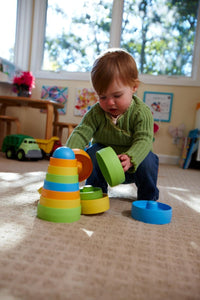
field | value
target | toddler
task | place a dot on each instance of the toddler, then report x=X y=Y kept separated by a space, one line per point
x=119 y=120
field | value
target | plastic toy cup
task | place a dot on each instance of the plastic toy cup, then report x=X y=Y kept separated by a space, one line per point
x=151 y=212
x=95 y=206
x=90 y=193
x=110 y=166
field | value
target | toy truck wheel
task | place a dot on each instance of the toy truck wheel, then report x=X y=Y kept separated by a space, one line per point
x=20 y=155
x=10 y=153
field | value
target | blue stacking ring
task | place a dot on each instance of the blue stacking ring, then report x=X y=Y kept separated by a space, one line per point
x=151 y=212
x=61 y=187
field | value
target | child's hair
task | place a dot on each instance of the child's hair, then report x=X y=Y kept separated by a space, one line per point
x=113 y=64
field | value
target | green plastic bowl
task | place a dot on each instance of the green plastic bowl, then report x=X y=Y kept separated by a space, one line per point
x=110 y=166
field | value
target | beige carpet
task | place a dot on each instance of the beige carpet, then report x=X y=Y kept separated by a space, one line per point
x=100 y=257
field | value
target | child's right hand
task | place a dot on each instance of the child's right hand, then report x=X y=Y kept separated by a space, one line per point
x=125 y=161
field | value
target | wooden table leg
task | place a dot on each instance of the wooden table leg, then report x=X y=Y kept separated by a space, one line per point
x=2 y=124
x=55 y=121
x=49 y=121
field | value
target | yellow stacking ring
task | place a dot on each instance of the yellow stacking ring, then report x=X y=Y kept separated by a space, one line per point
x=60 y=195
x=59 y=203
x=62 y=170
x=60 y=162
x=95 y=206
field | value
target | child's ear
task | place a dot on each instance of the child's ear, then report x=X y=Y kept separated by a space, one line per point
x=136 y=85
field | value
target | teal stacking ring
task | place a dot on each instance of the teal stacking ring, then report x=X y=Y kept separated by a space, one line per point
x=58 y=215
x=61 y=187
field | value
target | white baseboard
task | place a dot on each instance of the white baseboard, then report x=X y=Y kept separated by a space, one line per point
x=168 y=159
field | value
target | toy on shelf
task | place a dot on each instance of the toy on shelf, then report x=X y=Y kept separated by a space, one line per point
x=60 y=195
x=151 y=212
x=49 y=146
x=21 y=146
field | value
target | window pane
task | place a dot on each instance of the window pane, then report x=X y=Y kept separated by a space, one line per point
x=76 y=33
x=8 y=11
x=160 y=34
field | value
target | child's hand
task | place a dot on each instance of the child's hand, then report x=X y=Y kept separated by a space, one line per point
x=125 y=161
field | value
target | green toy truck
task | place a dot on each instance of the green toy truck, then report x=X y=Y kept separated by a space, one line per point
x=21 y=146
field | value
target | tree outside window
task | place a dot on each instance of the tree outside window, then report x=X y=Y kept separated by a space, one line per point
x=160 y=34
x=81 y=33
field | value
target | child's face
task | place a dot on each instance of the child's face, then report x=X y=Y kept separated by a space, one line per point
x=117 y=99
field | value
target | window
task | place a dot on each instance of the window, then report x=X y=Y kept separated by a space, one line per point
x=15 y=31
x=81 y=32
x=162 y=35
x=8 y=28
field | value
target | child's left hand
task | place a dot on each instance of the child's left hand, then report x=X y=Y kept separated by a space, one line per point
x=125 y=161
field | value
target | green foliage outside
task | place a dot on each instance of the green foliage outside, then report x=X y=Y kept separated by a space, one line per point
x=160 y=34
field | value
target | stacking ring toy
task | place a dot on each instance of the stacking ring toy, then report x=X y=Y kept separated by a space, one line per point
x=62 y=178
x=151 y=212
x=110 y=166
x=59 y=203
x=60 y=195
x=60 y=162
x=59 y=215
x=62 y=170
x=95 y=206
x=61 y=187
x=84 y=164
x=90 y=192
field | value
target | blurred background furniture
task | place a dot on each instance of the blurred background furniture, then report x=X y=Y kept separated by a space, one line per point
x=59 y=126
x=8 y=120
x=50 y=106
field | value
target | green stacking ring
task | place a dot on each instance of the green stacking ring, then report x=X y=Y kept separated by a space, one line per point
x=90 y=193
x=62 y=178
x=58 y=215
x=110 y=166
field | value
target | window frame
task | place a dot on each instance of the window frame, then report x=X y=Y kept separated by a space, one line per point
x=29 y=54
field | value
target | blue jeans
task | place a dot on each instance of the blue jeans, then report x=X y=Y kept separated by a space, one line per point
x=145 y=177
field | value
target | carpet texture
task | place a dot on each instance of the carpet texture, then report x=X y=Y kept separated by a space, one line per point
x=100 y=257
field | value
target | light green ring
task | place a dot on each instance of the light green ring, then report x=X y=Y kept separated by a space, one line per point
x=58 y=215
x=62 y=178
x=110 y=166
x=91 y=193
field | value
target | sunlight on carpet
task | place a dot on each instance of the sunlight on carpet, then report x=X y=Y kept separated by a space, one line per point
x=191 y=201
x=11 y=235
x=105 y=256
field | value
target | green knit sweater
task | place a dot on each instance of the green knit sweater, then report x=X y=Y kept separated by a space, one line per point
x=132 y=134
